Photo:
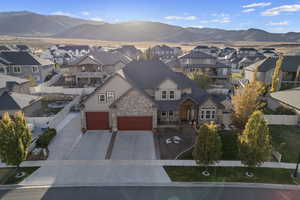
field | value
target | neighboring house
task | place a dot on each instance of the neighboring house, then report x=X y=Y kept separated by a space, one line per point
x=213 y=51
x=92 y=68
x=23 y=64
x=290 y=70
x=177 y=51
x=13 y=102
x=145 y=95
x=4 y=48
x=129 y=51
x=287 y=98
x=247 y=52
x=163 y=52
x=197 y=61
x=14 y=84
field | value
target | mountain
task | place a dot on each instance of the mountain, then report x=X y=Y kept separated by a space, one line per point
x=32 y=24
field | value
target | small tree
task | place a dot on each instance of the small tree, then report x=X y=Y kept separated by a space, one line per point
x=245 y=101
x=276 y=74
x=15 y=138
x=202 y=80
x=208 y=145
x=255 y=141
x=147 y=54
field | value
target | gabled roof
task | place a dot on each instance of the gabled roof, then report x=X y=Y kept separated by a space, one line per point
x=22 y=47
x=74 y=47
x=16 y=101
x=103 y=58
x=4 y=48
x=289 y=97
x=6 y=78
x=19 y=58
x=196 y=54
x=201 y=47
x=247 y=49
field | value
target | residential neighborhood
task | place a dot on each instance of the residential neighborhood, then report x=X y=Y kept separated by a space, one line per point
x=95 y=109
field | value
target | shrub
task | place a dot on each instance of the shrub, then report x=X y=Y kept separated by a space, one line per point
x=44 y=140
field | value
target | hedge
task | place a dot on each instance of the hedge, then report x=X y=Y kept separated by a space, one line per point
x=44 y=140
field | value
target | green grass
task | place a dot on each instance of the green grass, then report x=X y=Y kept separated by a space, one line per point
x=229 y=147
x=12 y=174
x=229 y=174
x=286 y=140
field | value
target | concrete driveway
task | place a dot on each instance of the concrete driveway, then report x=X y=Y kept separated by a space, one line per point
x=134 y=145
x=92 y=146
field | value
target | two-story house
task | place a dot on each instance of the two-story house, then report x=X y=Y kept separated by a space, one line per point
x=289 y=71
x=163 y=52
x=197 y=61
x=95 y=66
x=147 y=94
x=129 y=51
x=23 y=64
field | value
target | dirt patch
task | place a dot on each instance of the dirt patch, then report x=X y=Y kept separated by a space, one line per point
x=169 y=145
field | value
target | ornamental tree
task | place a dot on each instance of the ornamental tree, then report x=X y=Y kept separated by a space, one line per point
x=255 y=141
x=15 y=138
x=208 y=146
x=276 y=74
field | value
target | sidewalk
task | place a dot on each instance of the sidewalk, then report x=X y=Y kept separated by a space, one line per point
x=145 y=163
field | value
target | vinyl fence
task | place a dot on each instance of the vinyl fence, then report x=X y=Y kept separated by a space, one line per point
x=281 y=119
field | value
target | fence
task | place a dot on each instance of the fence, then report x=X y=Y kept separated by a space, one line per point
x=281 y=119
x=39 y=121
x=61 y=90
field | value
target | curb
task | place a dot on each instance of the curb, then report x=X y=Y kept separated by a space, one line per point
x=166 y=185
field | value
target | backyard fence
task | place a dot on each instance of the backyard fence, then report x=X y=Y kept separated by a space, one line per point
x=281 y=119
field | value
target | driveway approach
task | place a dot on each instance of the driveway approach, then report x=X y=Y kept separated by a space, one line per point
x=134 y=145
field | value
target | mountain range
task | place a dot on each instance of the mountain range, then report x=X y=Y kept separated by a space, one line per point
x=26 y=23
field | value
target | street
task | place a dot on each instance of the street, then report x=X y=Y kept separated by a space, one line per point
x=150 y=193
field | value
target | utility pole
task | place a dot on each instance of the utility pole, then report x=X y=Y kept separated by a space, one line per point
x=297 y=166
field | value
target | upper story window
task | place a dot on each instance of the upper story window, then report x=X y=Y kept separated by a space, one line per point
x=110 y=97
x=172 y=95
x=34 y=69
x=102 y=98
x=17 y=69
x=164 y=95
x=83 y=69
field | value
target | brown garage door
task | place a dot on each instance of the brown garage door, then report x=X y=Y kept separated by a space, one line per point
x=135 y=123
x=97 y=120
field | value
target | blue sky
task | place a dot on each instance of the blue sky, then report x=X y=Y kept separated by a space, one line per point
x=270 y=15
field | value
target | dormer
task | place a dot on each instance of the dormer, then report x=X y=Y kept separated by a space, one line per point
x=167 y=90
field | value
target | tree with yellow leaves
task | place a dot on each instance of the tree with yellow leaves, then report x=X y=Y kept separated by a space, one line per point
x=276 y=74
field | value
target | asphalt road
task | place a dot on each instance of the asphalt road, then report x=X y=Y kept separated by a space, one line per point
x=150 y=193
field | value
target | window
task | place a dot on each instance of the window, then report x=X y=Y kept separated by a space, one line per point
x=17 y=69
x=34 y=69
x=83 y=69
x=102 y=98
x=164 y=95
x=172 y=95
x=171 y=114
x=164 y=114
x=110 y=96
x=207 y=113
x=202 y=114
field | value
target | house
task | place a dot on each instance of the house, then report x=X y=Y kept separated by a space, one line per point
x=163 y=52
x=244 y=51
x=92 y=68
x=4 y=48
x=145 y=95
x=13 y=102
x=23 y=64
x=197 y=61
x=213 y=51
x=264 y=70
x=129 y=51
x=286 y=98
x=14 y=84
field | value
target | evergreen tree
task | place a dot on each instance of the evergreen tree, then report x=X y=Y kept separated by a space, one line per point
x=15 y=138
x=208 y=145
x=276 y=74
x=255 y=141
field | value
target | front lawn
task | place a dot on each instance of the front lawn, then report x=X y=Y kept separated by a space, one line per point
x=229 y=147
x=229 y=174
x=286 y=140
x=9 y=174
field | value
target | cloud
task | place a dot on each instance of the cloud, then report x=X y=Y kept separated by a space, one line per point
x=248 y=10
x=62 y=13
x=282 y=23
x=97 y=19
x=204 y=21
x=222 y=20
x=86 y=13
x=253 y=5
x=190 y=18
x=278 y=10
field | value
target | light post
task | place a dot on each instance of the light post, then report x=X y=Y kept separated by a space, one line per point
x=297 y=166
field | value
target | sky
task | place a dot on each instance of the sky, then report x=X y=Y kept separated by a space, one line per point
x=270 y=15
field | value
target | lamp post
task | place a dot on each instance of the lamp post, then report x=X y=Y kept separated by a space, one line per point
x=297 y=166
